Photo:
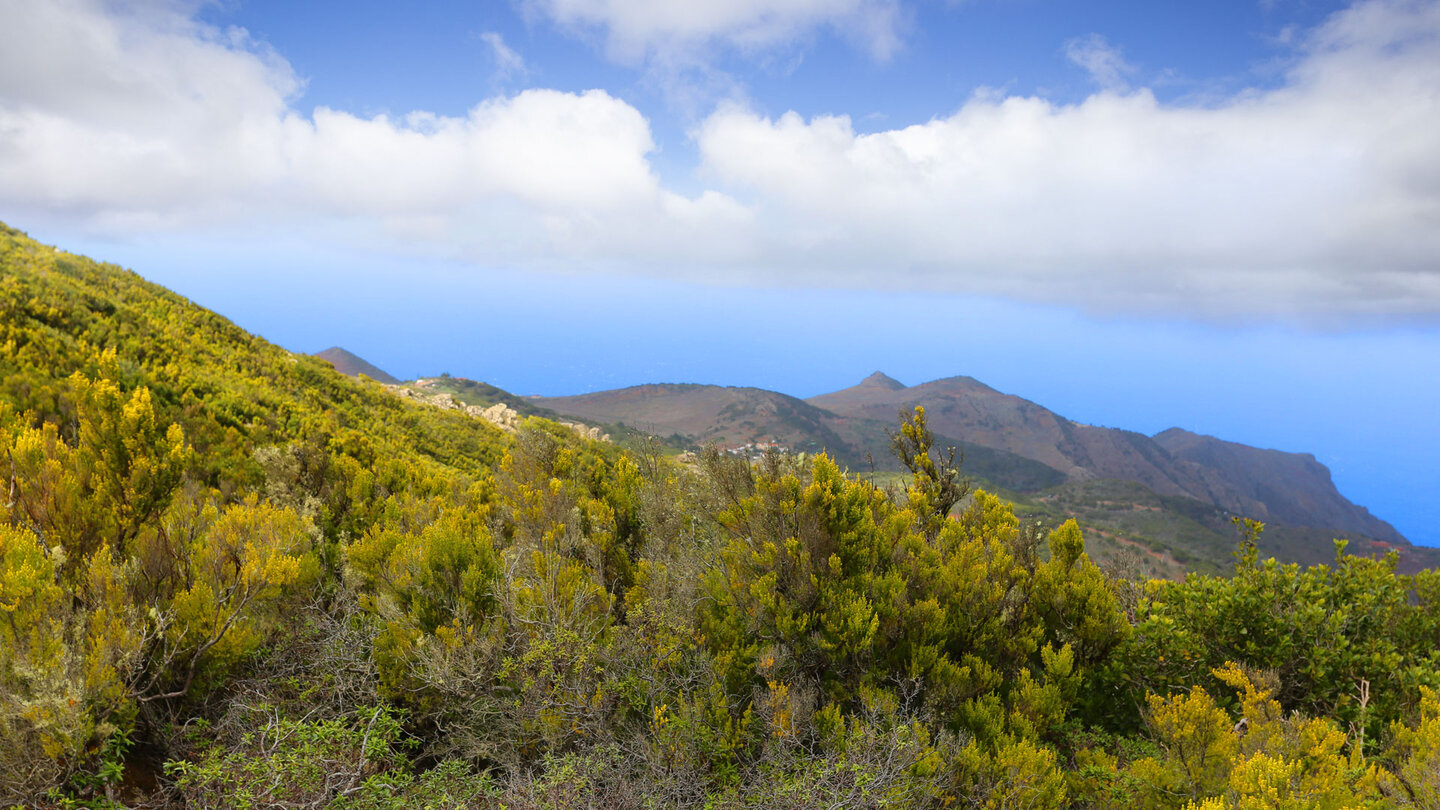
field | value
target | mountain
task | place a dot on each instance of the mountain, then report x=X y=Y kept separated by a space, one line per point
x=352 y=365
x=735 y=417
x=1167 y=498
x=712 y=414
x=978 y=414
x=1288 y=488
x=882 y=381
x=1269 y=485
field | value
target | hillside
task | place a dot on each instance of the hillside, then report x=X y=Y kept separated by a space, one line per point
x=352 y=365
x=1269 y=485
x=726 y=416
x=1288 y=488
x=479 y=394
x=231 y=391
x=1167 y=499
x=1169 y=535
x=733 y=418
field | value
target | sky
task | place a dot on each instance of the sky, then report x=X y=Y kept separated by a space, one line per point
x=1220 y=216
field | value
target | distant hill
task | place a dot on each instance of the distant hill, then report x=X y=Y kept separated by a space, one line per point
x=712 y=414
x=733 y=417
x=1289 y=488
x=978 y=414
x=1269 y=485
x=352 y=365
x=1168 y=498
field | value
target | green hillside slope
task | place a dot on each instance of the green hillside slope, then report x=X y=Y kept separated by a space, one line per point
x=231 y=391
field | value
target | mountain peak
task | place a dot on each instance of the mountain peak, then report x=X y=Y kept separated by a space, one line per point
x=882 y=380
x=350 y=364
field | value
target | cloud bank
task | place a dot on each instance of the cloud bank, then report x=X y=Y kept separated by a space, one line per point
x=1318 y=198
x=1321 y=196
x=143 y=118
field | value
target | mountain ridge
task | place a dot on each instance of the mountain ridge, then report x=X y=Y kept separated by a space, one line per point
x=1022 y=447
x=353 y=365
x=1172 y=463
x=882 y=380
x=734 y=417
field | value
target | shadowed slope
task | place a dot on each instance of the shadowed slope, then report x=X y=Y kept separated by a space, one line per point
x=1270 y=485
x=730 y=417
x=352 y=365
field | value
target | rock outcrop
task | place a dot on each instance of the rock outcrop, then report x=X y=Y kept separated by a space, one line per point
x=500 y=415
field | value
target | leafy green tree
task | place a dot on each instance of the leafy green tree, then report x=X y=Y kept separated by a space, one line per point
x=1353 y=640
x=828 y=585
x=936 y=484
x=134 y=464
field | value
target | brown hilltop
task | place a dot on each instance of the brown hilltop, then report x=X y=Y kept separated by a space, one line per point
x=1007 y=440
x=353 y=365
x=710 y=414
x=1294 y=488
x=882 y=381
x=966 y=409
x=730 y=417
x=1270 y=485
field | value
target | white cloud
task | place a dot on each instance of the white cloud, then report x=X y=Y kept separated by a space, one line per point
x=145 y=118
x=138 y=110
x=1319 y=197
x=508 y=63
x=634 y=29
x=1107 y=68
x=556 y=151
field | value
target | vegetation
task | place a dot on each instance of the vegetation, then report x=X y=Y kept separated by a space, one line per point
x=231 y=577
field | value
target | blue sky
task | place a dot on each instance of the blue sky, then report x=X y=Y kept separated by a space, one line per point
x=1221 y=216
